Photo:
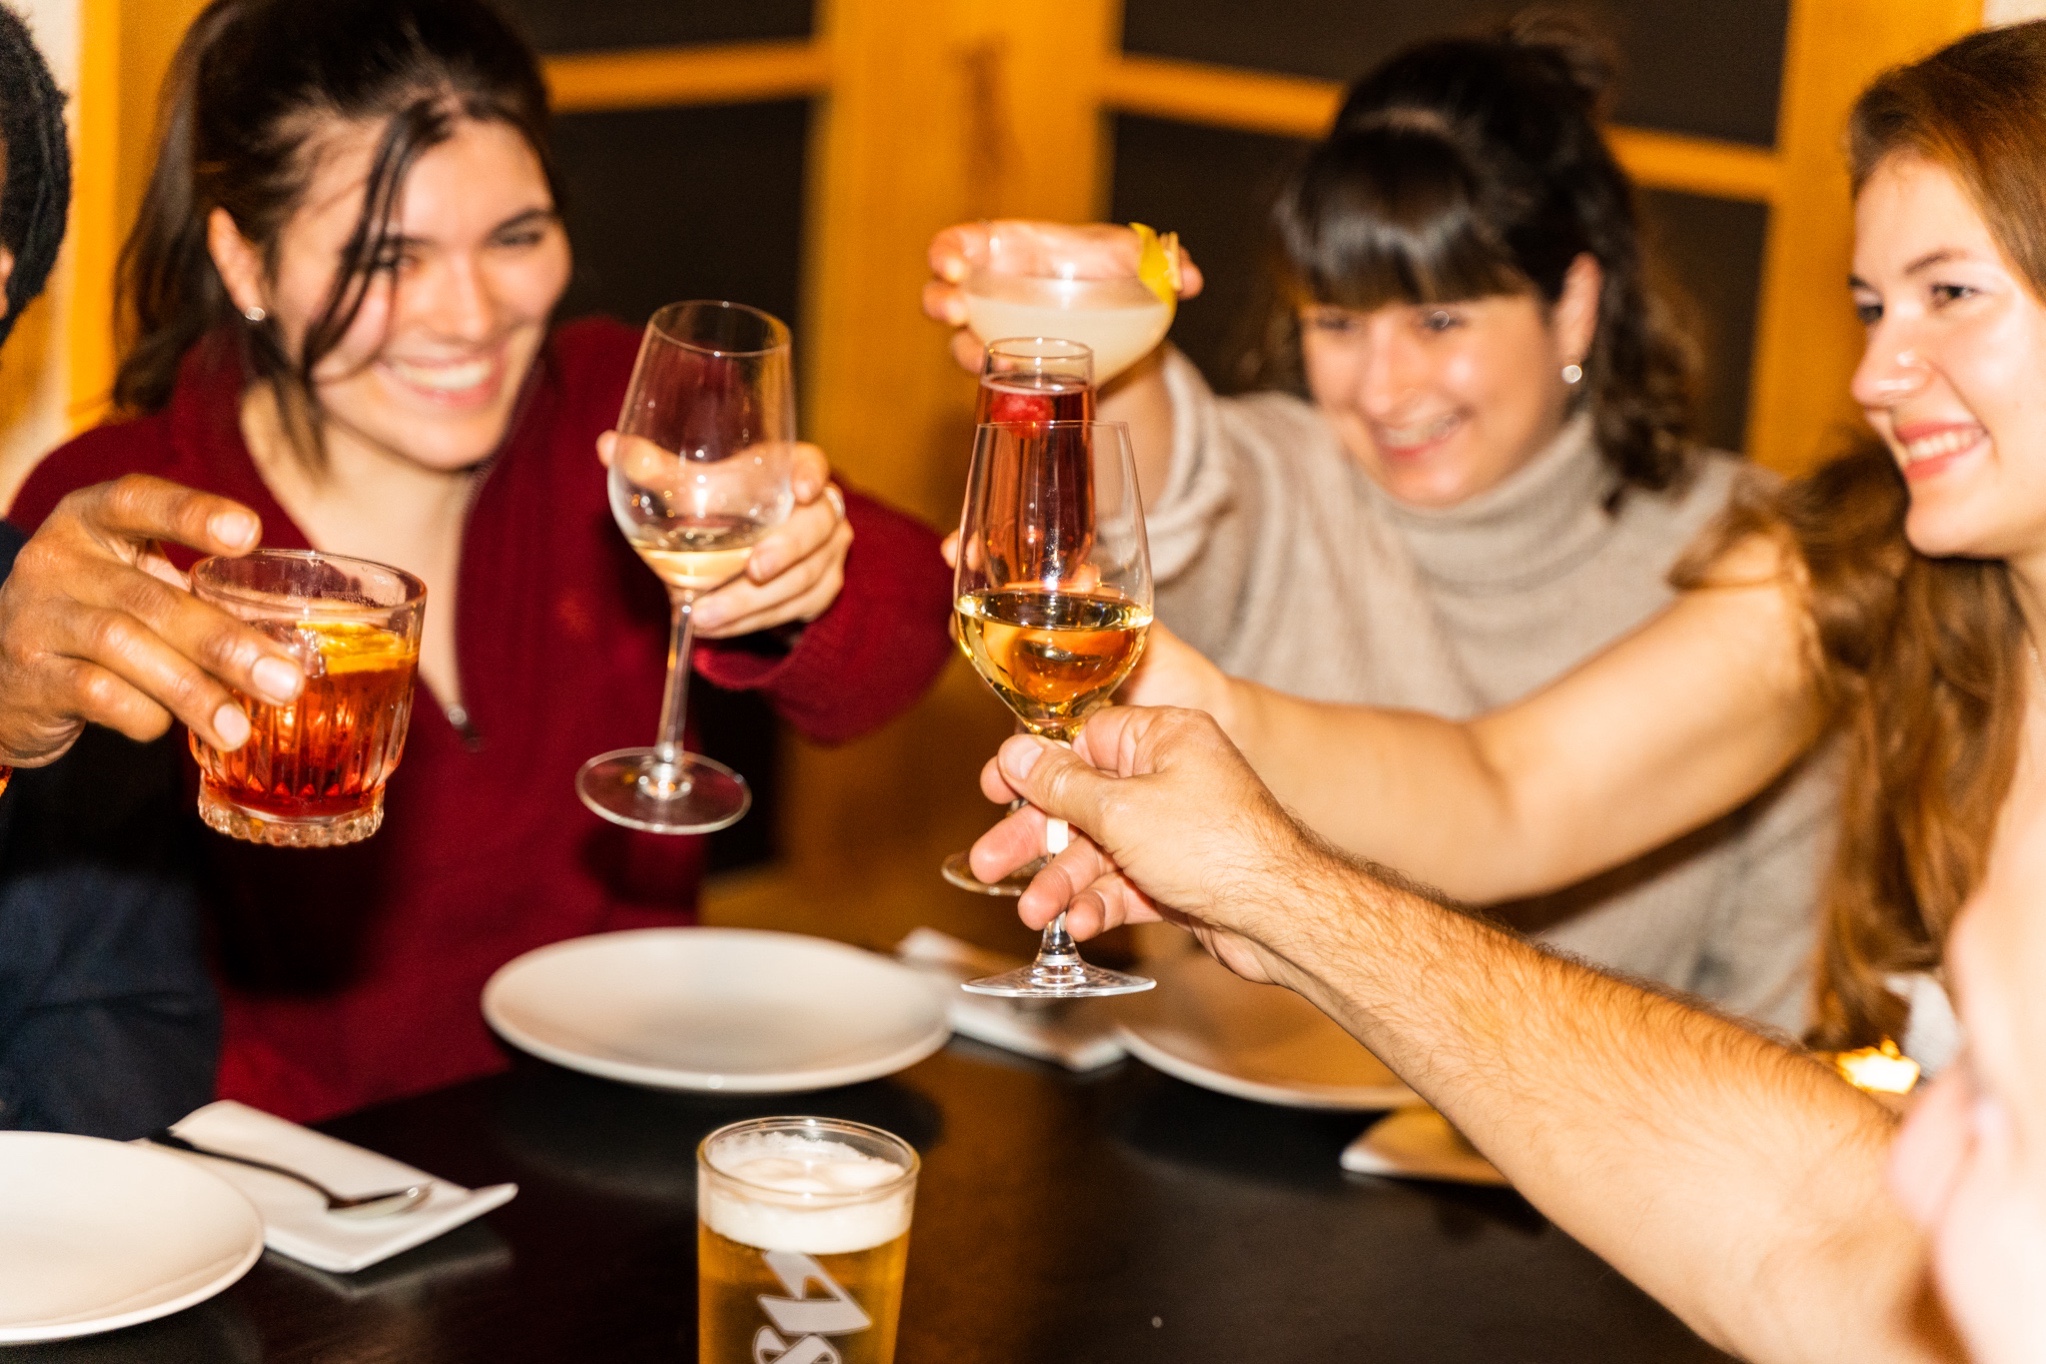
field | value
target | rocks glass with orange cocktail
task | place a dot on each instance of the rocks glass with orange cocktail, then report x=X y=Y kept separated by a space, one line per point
x=312 y=773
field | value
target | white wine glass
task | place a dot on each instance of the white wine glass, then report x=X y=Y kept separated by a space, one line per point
x=702 y=472
x=1052 y=597
x=1026 y=379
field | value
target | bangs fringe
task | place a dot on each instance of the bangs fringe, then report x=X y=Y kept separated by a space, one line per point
x=1387 y=215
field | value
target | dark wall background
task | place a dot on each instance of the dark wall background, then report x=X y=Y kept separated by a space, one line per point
x=1710 y=67
x=1706 y=69
x=667 y=204
x=594 y=25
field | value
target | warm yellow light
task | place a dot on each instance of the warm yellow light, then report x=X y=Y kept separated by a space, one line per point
x=1878 y=1070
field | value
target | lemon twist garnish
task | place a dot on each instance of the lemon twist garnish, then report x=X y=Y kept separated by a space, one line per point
x=1879 y=1070
x=349 y=646
x=1158 y=263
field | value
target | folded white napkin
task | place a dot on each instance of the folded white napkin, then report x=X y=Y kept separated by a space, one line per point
x=1418 y=1143
x=295 y=1219
x=1078 y=1034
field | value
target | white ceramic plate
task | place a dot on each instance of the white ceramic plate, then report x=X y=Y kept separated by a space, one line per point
x=96 y=1235
x=1211 y=1028
x=730 y=1009
x=1419 y=1143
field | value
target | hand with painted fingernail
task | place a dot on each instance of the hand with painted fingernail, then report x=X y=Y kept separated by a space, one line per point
x=97 y=626
x=794 y=573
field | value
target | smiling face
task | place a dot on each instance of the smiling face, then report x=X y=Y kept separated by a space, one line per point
x=1440 y=401
x=430 y=368
x=1954 y=376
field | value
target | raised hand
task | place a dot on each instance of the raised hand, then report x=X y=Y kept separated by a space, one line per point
x=98 y=627
x=1176 y=827
x=1087 y=250
x=796 y=570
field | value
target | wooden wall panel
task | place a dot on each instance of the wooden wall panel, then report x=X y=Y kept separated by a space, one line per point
x=1808 y=341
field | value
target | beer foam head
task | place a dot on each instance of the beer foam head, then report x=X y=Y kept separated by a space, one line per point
x=789 y=1191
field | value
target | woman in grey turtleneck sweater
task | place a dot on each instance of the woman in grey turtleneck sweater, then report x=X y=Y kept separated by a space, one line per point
x=1492 y=482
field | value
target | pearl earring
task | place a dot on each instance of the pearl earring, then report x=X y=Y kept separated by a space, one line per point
x=254 y=313
x=1572 y=373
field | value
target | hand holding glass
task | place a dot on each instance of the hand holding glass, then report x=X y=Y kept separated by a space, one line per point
x=1053 y=598
x=1088 y=296
x=701 y=473
x=313 y=770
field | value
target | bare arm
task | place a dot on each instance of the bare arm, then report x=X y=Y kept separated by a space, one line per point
x=1738 y=1182
x=1671 y=727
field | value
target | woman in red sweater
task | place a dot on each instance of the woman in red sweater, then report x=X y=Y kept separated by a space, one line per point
x=343 y=276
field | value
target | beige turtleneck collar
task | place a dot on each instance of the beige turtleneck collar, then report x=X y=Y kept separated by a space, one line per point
x=1534 y=526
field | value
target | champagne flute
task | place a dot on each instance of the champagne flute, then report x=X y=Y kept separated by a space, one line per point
x=701 y=474
x=1026 y=379
x=1035 y=379
x=1052 y=598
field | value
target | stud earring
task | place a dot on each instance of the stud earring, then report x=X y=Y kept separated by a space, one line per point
x=1572 y=373
x=254 y=313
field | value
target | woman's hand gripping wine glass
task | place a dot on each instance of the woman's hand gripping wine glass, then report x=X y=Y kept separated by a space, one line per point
x=1053 y=597
x=700 y=474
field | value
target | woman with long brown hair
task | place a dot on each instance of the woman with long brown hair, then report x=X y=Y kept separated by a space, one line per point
x=1485 y=475
x=1895 y=597
x=343 y=279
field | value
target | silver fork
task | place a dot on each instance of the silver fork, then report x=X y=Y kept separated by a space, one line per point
x=386 y=1204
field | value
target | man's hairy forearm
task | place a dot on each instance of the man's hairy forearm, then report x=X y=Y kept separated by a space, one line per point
x=1735 y=1180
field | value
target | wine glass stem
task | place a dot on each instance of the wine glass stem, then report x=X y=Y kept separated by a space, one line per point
x=668 y=752
x=1057 y=944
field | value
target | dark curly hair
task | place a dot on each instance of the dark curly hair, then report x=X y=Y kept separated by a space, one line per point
x=38 y=186
x=1472 y=167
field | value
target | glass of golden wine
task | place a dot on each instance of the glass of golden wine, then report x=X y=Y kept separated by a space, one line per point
x=700 y=475
x=1052 y=597
x=313 y=770
x=1026 y=379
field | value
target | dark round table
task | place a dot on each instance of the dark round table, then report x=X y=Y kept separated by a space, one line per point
x=1120 y=1216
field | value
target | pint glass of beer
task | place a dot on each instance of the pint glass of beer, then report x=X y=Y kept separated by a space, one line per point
x=802 y=1235
x=312 y=773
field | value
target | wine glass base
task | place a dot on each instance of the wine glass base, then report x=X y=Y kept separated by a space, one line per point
x=956 y=871
x=630 y=786
x=291 y=831
x=1064 y=977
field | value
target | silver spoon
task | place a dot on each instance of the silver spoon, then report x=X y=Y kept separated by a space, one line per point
x=387 y=1204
